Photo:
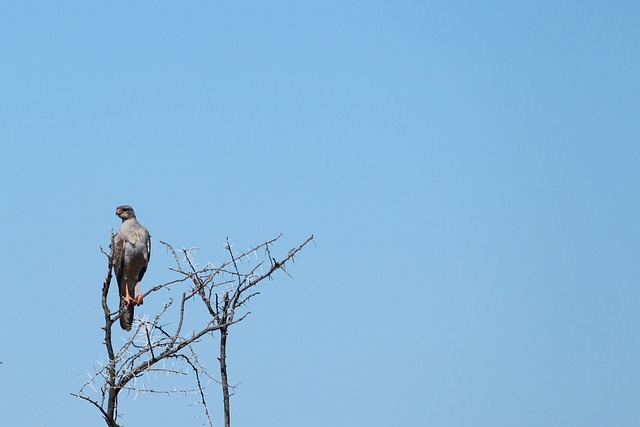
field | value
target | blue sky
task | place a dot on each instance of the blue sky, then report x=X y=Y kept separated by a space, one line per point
x=470 y=171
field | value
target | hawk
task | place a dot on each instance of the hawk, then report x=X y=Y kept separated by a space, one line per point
x=131 y=253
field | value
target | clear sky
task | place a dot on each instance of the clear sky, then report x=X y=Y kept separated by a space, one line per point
x=470 y=171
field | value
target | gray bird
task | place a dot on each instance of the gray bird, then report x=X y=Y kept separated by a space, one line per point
x=131 y=253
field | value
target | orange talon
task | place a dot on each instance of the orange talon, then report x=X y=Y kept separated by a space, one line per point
x=127 y=298
x=138 y=298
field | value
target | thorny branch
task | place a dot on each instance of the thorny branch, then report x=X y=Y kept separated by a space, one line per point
x=222 y=290
x=223 y=308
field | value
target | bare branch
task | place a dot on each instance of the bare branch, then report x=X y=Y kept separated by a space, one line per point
x=222 y=290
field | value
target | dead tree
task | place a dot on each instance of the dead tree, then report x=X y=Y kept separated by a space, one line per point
x=222 y=291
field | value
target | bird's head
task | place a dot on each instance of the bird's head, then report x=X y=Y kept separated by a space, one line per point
x=125 y=212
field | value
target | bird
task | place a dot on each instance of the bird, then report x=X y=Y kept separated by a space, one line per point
x=131 y=254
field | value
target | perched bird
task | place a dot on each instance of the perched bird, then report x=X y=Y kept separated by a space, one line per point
x=131 y=253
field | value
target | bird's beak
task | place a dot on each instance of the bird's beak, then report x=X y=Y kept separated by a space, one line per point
x=118 y=211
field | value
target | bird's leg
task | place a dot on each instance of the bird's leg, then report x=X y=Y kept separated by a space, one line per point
x=138 y=298
x=127 y=298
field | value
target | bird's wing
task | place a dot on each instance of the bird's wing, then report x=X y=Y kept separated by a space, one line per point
x=145 y=239
x=117 y=257
x=119 y=262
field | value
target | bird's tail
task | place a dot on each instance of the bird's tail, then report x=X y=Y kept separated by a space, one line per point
x=126 y=315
